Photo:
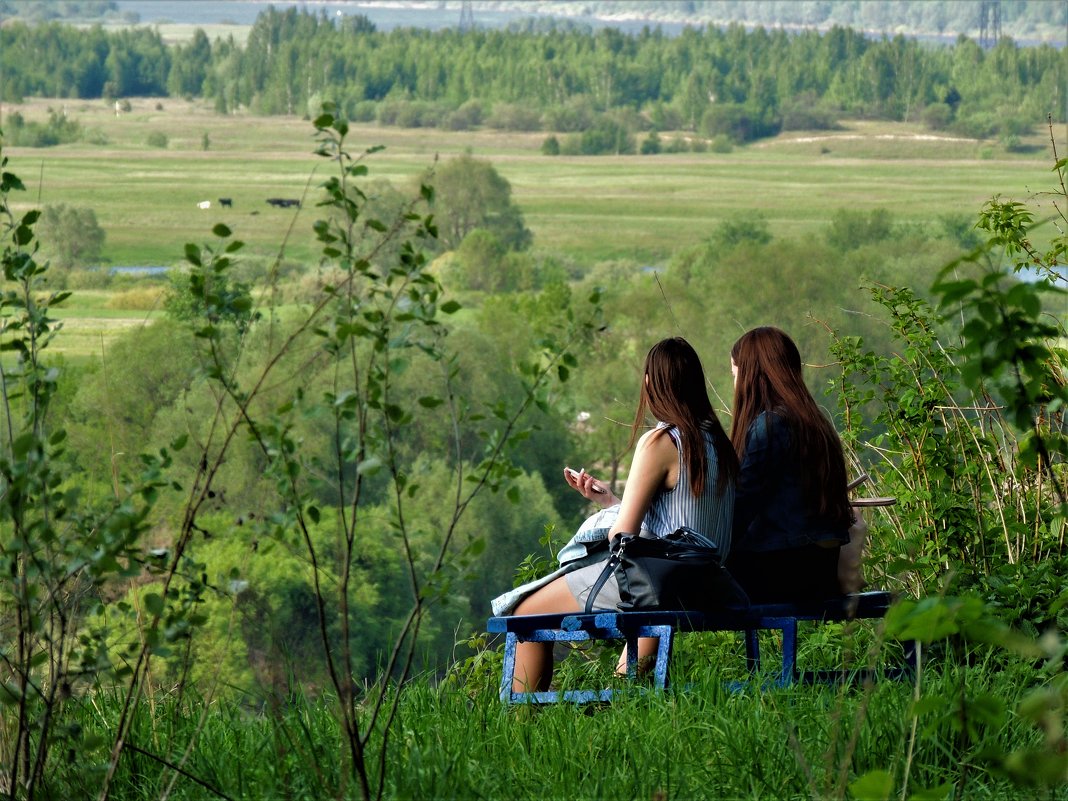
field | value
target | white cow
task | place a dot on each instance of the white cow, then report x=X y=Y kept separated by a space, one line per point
x=204 y=204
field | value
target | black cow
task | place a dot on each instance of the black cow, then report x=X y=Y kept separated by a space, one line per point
x=225 y=201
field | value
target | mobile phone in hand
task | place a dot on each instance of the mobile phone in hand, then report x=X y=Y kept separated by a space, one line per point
x=594 y=487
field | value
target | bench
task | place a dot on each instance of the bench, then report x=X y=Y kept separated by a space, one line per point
x=629 y=626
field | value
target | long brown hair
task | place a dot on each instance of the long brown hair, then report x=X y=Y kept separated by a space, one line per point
x=769 y=379
x=673 y=391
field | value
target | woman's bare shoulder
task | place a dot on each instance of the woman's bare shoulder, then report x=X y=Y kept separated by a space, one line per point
x=656 y=441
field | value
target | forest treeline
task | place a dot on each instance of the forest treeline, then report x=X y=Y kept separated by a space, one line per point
x=731 y=82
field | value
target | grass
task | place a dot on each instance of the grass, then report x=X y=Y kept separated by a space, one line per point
x=587 y=209
x=459 y=742
x=591 y=208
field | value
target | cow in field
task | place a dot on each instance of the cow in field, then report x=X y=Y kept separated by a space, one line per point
x=226 y=202
x=204 y=204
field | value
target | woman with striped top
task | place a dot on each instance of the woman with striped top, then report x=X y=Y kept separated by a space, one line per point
x=682 y=474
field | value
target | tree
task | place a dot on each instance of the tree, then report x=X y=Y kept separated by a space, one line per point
x=551 y=146
x=470 y=194
x=850 y=229
x=481 y=255
x=753 y=228
x=139 y=377
x=206 y=294
x=57 y=548
x=73 y=234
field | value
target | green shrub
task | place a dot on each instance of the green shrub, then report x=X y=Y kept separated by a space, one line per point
x=721 y=144
x=513 y=117
x=651 y=144
x=58 y=130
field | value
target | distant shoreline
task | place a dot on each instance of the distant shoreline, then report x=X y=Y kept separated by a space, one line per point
x=446 y=13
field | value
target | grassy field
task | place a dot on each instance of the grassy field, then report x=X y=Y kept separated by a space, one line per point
x=589 y=208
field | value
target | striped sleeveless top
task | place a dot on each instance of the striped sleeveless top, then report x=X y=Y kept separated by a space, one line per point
x=710 y=514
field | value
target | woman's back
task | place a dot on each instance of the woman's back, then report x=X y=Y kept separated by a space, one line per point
x=792 y=510
x=771 y=510
x=710 y=513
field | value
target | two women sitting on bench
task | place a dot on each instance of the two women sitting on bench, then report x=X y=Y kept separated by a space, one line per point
x=786 y=503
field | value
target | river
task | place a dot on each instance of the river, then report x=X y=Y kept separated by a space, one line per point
x=435 y=15
x=384 y=15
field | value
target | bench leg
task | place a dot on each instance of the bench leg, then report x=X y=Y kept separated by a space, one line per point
x=663 y=653
x=632 y=656
x=789 y=653
x=664 y=634
x=508 y=669
x=752 y=650
x=663 y=657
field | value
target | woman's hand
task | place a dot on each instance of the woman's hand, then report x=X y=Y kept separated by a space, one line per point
x=589 y=487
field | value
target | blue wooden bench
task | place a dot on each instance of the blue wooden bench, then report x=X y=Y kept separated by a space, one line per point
x=629 y=626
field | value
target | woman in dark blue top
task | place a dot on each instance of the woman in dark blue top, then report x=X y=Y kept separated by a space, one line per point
x=791 y=512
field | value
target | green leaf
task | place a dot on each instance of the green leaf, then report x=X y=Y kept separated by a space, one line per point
x=927 y=621
x=9 y=181
x=23 y=444
x=192 y=254
x=953 y=291
x=369 y=466
x=221 y=230
x=1038 y=767
x=154 y=603
x=23 y=235
x=875 y=785
x=9 y=693
x=939 y=793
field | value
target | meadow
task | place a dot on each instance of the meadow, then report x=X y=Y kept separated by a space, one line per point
x=588 y=209
x=584 y=210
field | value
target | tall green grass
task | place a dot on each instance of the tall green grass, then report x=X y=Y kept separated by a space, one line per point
x=700 y=741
